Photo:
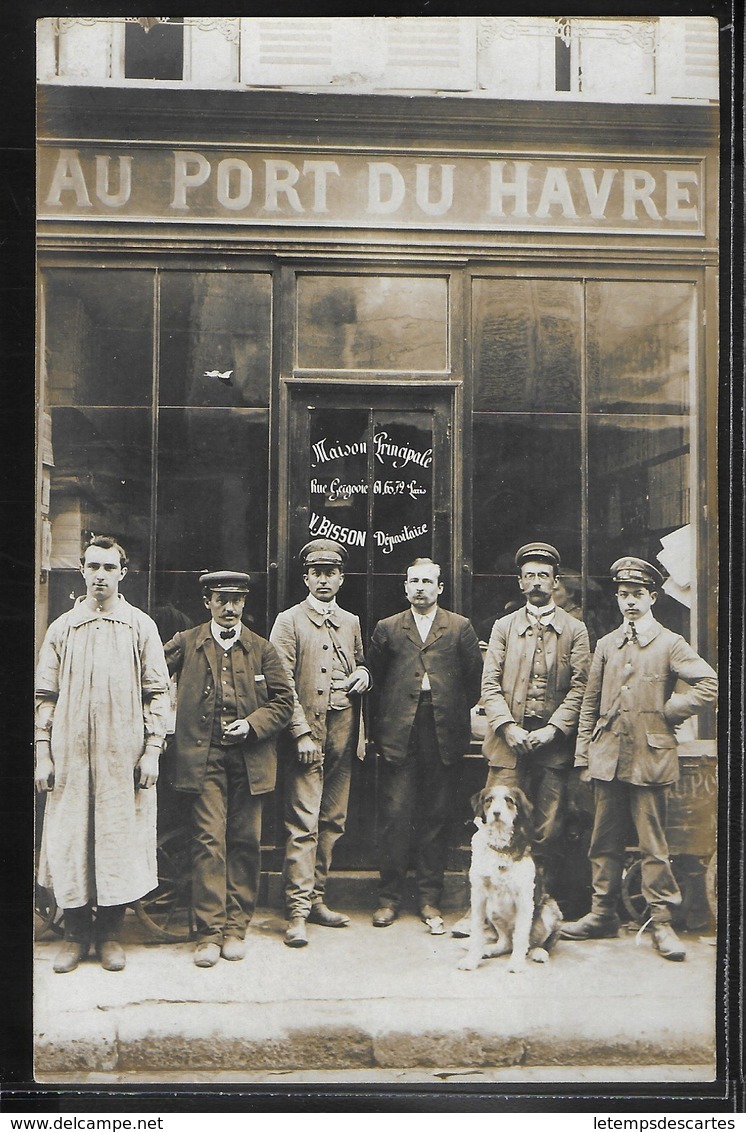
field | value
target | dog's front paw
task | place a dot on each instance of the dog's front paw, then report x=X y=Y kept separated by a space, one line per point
x=469 y=963
x=517 y=964
x=538 y=955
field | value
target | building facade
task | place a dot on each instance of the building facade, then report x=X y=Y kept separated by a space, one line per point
x=431 y=286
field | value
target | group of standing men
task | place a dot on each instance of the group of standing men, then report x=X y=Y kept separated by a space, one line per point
x=102 y=706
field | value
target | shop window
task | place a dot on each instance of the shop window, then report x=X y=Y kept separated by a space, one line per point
x=216 y=334
x=389 y=323
x=99 y=484
x=212 y=489
x=640 y=346
x=99 y=337
x=527 y=345
x=154 y=48
x=612 y=478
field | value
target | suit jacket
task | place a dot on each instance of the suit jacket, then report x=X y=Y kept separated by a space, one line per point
x=265 y=700
x=399 y=659
x=505 y=683
x=306 y=646
x=631 y=705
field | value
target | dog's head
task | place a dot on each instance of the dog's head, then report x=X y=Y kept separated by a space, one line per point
x=507 y=814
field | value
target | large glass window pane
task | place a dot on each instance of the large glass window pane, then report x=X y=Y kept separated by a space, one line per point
x=527 y=345
x=212 y=489
x=99 y=337
x=638 y=494
x=99 y=482
x=526 y=486
x=641 y=346
x=155 y=51
x=394 y=323
x=216 y=333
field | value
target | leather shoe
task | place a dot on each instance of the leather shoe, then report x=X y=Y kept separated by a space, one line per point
x=206 y=953
x=69 y=955
x=296 y=936
x=591 y=926
x=233 y=948
x=668 y=943
x=111 y=955
x=320 y=914
x=384 y=916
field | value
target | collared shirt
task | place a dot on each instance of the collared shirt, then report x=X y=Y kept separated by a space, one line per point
x=424 y=623
x=541 y=616
x=644 y=629
x=227 y=642
x=325 y=608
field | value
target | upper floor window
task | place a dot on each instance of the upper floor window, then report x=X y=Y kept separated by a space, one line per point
x=154 y=48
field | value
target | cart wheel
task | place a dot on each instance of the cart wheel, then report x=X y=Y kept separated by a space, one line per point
x=166 y=911
x=711 y=885
x=632 y=896
x=47 y=916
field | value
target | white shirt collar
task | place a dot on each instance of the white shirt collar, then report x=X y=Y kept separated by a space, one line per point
x=643 y=625
x=545 y=613
x=227 y=642
x=322 y=607
x=428 y=617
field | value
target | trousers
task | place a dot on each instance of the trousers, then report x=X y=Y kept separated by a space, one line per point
x=226 y=847
x=416 y=802
x=316 y=800
x=615 y=804
x=80 y=926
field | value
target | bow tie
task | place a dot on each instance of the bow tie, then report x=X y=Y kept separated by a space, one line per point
x=226 y=634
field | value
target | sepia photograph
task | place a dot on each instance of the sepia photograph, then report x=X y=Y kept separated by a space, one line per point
x=377 y=490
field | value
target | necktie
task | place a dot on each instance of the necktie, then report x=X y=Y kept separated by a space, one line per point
x=631 y=632
x=226 y=634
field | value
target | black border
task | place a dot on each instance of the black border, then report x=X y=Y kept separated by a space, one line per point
x=18 y=1093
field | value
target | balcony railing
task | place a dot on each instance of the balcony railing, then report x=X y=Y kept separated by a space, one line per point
x=667 y=59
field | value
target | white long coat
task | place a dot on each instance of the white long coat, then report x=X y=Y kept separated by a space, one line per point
x=102 y=691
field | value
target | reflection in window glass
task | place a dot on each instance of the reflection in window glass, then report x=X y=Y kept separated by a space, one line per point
x=216 y=331
x=638 y=487
x=372 y=322
x=640 y=346
x=99 y=337
x=212 y=489
x=527 y=343
x=526 y=486
x=100 y=482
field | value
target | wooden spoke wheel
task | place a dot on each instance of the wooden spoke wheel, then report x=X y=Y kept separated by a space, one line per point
x=166 y=911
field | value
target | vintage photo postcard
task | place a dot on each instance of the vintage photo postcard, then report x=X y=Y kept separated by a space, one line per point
x=377 y=553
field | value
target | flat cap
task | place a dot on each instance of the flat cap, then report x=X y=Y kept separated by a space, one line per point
x=323 y=552
x=636 y=570
x=225 y=581
x=538 y=552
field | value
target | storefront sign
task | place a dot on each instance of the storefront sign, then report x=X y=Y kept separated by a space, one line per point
x=400 y=511
x=344 y=189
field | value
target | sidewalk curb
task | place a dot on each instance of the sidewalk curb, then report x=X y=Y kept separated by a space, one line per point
x=270 y=1036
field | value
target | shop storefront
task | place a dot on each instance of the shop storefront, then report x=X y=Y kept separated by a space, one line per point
x=418 y=326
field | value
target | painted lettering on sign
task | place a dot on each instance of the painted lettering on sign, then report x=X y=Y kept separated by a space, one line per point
x=354 y=190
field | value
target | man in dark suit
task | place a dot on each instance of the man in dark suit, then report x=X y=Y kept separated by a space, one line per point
x=234 y=698
x=426 y=666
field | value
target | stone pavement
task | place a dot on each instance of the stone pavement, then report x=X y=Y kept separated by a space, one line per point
x=362 y=1002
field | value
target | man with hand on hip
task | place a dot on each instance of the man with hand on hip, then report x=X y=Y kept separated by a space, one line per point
x=644 y=681
x=322 y=647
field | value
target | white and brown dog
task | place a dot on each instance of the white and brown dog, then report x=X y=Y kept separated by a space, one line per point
x=507 y=896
